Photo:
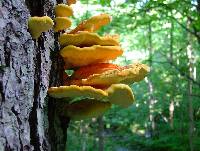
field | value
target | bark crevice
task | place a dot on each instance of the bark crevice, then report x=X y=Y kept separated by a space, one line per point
x=36 y=8
x=33 y=118
x=6 y=53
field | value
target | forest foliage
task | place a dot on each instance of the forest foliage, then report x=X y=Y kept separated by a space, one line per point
x=165 y=34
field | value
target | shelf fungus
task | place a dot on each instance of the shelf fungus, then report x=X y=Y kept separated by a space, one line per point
x=37 y=25
x=92 y=24
x=62 y=10
x=95 y=84
x=86 y=108
x=61 y=23
x=83 y=39
x=86 y=71
x=119 y=94
x=76 y=91
x=82 y=56
x=107 y=76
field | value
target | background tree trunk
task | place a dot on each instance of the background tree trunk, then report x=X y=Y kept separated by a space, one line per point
x=100 y=133
x=190 y=57
x=151 y=101
x=24 y=80
x=173 y=83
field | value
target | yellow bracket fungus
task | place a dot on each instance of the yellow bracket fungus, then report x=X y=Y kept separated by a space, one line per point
x=61 y=23
x=87 y=55
x=92 y=24
x=62 y=10
x=86 y=39
x=86 y=108
x=37 y=25
x=128 y=75
x=119 y=94
x=131 y=74
x=76 y=91
x=95 y=84
x=86 y=71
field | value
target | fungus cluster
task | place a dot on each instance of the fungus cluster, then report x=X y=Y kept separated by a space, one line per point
x=96 y=83
x=62 y=13
x=37 y=25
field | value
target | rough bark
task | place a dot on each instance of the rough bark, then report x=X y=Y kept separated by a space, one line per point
x=24 y=80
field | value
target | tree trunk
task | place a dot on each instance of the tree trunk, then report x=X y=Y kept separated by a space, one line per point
x=28 y=120
x=100 y=133
x=151 y=127
x=84 y=135
x=190 y=85
x=173 y=84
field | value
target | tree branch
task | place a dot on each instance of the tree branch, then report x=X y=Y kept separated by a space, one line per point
x=195 y=32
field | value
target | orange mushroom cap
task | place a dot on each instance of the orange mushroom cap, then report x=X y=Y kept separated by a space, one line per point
x=86 y=71
x=77 y=56
x=128 y=74
x=69 y=2
x=92 y=24
x=85 y=39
